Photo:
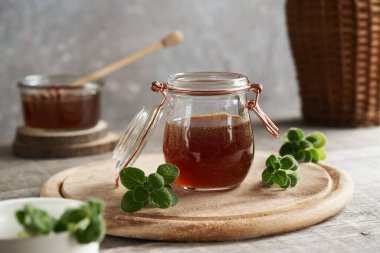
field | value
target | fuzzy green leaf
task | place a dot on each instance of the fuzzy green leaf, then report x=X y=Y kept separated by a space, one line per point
x=287 y=184
x=288 y=162
x=156 y=180
x=148 y=186
x=314 y=155
x=295 y=134
x=140 y=193
x=318 y=139
x=161 y=198
x=308 y=156
x=286 y=149
x=169 y=172
x=270 y=169
x=294 y=178
x=174 y=197
x=271 y=160
x=35 y=221
x=304 y=144
x=93 y=232
x=321 y=153
x=131 y=177
x=129 y=204
x=280 y=178
x=267 y=177
x=300 y=155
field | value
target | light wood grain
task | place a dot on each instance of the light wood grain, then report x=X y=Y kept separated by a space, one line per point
x=251 y=210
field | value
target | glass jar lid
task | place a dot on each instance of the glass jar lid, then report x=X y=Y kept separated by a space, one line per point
x=136 y=136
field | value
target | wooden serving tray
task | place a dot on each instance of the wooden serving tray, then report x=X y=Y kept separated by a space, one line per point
x=251 y=210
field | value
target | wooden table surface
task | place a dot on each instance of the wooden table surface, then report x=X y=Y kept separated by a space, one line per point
x=356 y=228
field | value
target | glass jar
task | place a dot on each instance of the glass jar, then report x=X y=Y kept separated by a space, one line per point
x=50 y=102
x=208 y=133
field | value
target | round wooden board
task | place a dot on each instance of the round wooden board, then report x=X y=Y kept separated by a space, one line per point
x=251 y=210
x=56 y=138
x=42 y=143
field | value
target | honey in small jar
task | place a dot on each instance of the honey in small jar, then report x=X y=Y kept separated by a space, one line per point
x=49 y=102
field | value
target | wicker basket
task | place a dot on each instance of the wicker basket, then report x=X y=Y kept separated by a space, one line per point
x=336 y=47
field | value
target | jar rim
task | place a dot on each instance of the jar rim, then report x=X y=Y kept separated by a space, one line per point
x=60 y=81
x=207 y=82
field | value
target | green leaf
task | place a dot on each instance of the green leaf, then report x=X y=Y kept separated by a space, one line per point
x=314 y=155
x=295 y=134
x=300 y=155
x=93 y=232
x=174 y=197
x=148 y=186
x=287 y=184
x=304 y=144
x=308 y=156
x=286 y=149
x=140 y=193
x=129 y=204
x=85 y=222
x=294 y=178
x=35 y=221
x=295 y=145
x=161 y=198
x=95 y=205
x=267 y=177
x=318 y=139
x=280 y=178
x=270 y=169
x=169 y=172
x=131 y=177
x=277 y=165
x=321 y=153
x=156 y=180
x=288 y=162
x=70 y=216
x=271 y=160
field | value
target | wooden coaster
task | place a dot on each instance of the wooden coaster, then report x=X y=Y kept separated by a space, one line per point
x=251 y=210
x=40 y=143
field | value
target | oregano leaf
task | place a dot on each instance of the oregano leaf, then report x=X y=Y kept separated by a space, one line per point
x=161 y=198
x=140 y=193
x=131 y=177
x=280 y=177
x=169 y=172
x=156 y=180
x=129 y=204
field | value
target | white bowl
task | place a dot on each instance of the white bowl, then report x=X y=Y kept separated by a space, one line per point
x=58 y=243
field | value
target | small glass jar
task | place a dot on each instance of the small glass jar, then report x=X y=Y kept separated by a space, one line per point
x=208 y=133
x=50 y=102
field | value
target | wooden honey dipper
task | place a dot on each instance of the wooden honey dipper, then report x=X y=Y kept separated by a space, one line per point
x=172 y=39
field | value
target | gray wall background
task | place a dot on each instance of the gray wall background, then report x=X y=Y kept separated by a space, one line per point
x=72 y=36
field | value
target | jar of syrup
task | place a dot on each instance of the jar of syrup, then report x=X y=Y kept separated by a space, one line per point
x=208 y=133
x=51 y=102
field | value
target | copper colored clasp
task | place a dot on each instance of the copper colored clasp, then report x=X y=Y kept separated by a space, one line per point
x=253 y=105
x=159 y=87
